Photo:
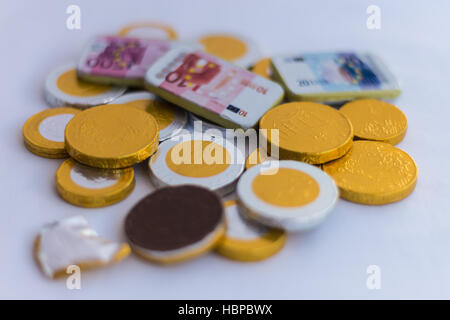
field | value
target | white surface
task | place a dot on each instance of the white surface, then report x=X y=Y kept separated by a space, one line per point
x=409 y=240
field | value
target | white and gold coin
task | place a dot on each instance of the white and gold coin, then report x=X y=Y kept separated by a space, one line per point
x=247 y=240
x=213 y=163
x=63 y=88
x=43 y=133
x=236 y=137
x=171 y=119
x=295 y=196
x=93 y=187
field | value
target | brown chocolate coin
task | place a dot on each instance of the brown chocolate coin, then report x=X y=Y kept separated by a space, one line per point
x=174 y=224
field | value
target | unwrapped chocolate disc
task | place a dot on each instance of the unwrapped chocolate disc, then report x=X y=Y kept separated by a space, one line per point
x=174 y=224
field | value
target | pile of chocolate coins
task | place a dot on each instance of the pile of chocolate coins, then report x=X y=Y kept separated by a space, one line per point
x=138 y=95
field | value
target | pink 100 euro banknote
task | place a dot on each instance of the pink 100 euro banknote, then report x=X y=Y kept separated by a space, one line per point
x=120 y=60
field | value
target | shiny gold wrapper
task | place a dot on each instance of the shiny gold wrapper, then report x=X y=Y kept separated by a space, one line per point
x=93 y=187
x=308 y=132
x=111 y=136
x=43 y=133
x=376 y=120
x=373 y=173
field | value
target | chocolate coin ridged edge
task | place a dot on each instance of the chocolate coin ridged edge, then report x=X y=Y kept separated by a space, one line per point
x=393 y=123
x=111 y=162
x=370 y=198
x=39 y=145
x=317 y=157
x=93 y=198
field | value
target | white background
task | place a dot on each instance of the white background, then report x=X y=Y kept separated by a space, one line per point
x=409 y=240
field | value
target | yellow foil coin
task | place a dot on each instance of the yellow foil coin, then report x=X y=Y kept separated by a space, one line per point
x=162 y=111
x=308 y=132
x=111 y=136
x=376 y=120
x=63 y=88
x=224 y=46
x=288 y=188
x=233 y=48
x=68 y=82
x=209 y=162
x=374 y=173
x=247 y=240
x=290 y=195
x=171 y=119
x=43 y=133
x=149 y=30
x=204 y=167
x=93 y=187
x=262 y=67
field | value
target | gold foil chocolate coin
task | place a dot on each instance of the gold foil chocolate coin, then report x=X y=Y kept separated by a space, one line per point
x=93 y=187
x=308 y=132
x=111 y=136
x=43 y=133
x=374 y=173
x=171 y=119
x=376 y=120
